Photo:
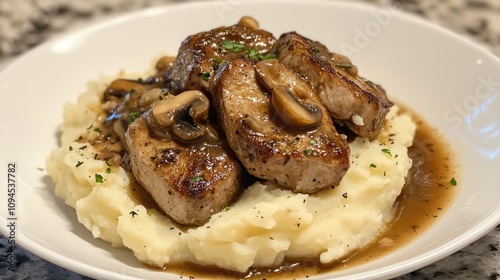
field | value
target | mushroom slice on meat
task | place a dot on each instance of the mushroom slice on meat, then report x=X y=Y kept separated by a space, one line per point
x=304 y=156
x=184 y=114
x=350 y=99
x=189 y=171
x=291 y=97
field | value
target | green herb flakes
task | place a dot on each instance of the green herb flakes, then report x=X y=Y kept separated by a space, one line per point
x=133 y=213
x=373 y=165
x=267 y=56
x=108 y=170
x=196 y=179
x=99 y=178
x=253 y=53
x=453 y=182
x=232 y=46
x=132 y=116
x=79 y=163
x=205 y=76
x=387 y=151
x=308 y=152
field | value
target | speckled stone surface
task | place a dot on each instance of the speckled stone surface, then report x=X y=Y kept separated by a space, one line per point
x=26 y=23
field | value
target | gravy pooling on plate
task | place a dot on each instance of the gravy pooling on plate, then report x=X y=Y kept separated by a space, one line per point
x=425 y=197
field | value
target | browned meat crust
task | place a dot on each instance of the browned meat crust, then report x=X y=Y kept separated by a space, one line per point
x=304 y=161
x=189 y=182
x=350 y=99
x=200 y=55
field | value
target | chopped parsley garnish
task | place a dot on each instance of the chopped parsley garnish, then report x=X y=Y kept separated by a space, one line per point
x=98 y=130
x=255 y=54
x=387 y=151
x=205 y=76
x=227 y=208
x=216 y=59
x=313 y=142
x=99 y=178
x=133 y=213
x=196 y=179
x=373 y=165
x=453 y=182
x=252 y=53
x=70 y=148
x=150 y=213
x=232 y=46
x=79 y=163
x=314 y=49
x=132 y=116
x=267 y=56
x=308 y=152
x=108 y=170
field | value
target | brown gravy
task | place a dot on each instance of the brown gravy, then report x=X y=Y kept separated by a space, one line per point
x=424 y=198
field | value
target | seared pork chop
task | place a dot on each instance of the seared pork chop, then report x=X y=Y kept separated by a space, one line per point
x=351 y=99
x=200 y=55
x=306 y=158
x=189 y=181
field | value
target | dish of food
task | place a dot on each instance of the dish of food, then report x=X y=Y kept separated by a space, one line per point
x=96 y=258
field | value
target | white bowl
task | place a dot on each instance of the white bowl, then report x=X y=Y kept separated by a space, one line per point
x=451 y=82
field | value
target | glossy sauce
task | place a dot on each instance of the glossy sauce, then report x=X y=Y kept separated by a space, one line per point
x=425 y=197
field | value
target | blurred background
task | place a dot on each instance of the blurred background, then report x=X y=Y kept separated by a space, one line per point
x=24 y=24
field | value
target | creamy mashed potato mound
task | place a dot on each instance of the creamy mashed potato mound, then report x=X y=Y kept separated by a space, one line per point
x=265 y=225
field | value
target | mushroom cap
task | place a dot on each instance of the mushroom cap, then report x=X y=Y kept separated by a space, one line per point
x=185 y=114
x=291 y=95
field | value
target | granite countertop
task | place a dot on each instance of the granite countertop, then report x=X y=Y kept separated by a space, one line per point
x=26 y=23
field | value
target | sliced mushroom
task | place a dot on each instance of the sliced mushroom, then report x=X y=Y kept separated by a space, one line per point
x=121 y=87
x=164 y=63
x=291 y=95
x=147 y=98
x=292 y=111
x=185 y=114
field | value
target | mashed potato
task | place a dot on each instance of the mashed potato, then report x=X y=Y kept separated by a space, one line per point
x=265 y=225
